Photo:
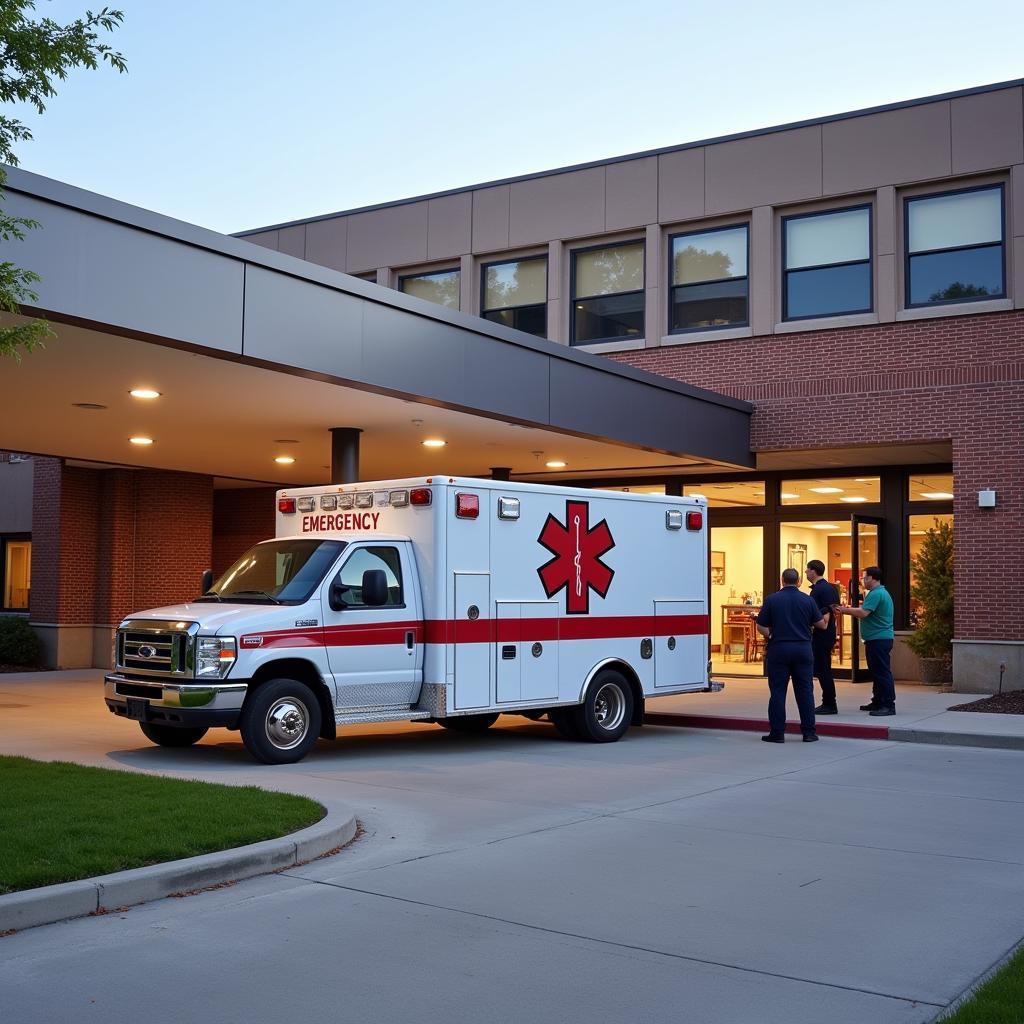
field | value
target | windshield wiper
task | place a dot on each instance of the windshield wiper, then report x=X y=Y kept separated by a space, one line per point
x=258 y=593
x=210 y=595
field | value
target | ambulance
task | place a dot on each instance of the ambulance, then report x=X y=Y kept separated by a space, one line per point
x=440 y=600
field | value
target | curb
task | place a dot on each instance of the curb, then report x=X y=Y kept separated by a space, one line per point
x=31 y=907
x=847 y=730
x=957 y=739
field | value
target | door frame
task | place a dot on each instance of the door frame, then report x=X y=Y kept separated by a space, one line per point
x=860 y=673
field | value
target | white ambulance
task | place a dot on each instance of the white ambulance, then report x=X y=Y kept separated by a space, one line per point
x=438 y=599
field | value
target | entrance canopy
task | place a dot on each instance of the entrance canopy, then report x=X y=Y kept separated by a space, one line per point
x=256 y=355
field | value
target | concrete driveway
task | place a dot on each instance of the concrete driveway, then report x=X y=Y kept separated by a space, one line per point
x=677 y=875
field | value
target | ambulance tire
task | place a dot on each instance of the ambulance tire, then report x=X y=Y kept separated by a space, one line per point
x=468 y=723
x=170 y=736
x=607 y=710
x=280 y=721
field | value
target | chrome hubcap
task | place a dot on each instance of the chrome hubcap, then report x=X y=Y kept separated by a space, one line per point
x=287 y=723
x=609 y=707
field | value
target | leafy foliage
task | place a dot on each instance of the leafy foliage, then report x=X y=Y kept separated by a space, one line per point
x=933 y=590
x=19 y=644
x=34 y=55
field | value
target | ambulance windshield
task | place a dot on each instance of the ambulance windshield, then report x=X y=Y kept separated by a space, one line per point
x=284 y=571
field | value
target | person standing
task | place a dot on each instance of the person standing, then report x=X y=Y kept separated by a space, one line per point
x=824 y=596
x=786 y=620
x=875 y=614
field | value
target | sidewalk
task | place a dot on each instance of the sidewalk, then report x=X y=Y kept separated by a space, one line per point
x=922 y=715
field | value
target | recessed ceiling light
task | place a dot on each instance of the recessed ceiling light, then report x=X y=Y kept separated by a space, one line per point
x=555 y=464
x=286 y=440
x=284 y=460
x=937 y=495
x=823 y=526
x=866 y=479
x=141 y=440
x=144 y=393
x=788 y=495
x=826 y=490
x=88 y=405
x=434 y=442
x=853 y=498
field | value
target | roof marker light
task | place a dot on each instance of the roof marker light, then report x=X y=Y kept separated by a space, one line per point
x=328 y=502
x=346 y=500
x=674 y=519
x=694 y=520
x=364 y=499
x=399 y=499
x=286 y=505
x=420 y=496
x=307 y=504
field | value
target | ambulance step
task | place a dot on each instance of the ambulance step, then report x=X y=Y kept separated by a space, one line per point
x=363 y=717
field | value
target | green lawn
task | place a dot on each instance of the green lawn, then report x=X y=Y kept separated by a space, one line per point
x=60 y=822
x=999 y=1001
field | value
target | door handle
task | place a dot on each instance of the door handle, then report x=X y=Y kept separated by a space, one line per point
x=410 y=641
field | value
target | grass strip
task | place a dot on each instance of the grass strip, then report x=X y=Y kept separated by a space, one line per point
x=60 y=822
x=999 y=1001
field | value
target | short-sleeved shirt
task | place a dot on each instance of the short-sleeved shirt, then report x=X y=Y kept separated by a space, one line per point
x=824 y=596
x=877 y=625
x=790 y=614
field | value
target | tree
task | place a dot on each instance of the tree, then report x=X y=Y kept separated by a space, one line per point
x=34 y=54
x=933 y=589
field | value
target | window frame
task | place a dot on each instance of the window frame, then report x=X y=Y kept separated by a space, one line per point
x=574 y=298
x=869 y=206
x=908 y=199
x=347 y=556
x=484 y=310
x=5 y=539
x=457 y=269
x=672 y=287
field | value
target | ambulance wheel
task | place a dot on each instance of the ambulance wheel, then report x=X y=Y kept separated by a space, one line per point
x=169 y=736
x=468 y=723
x=606 y=710
x=280 y=721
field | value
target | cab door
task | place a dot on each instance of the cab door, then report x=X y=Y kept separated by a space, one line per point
x=375 y=653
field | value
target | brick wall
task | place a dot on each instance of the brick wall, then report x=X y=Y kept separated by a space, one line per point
x=240 y=518
x=958 y=379
x=46 y=490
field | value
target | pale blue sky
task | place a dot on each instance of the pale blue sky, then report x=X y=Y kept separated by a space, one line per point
x=240 y=113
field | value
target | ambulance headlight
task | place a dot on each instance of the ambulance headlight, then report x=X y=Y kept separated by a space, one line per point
x=214 y=656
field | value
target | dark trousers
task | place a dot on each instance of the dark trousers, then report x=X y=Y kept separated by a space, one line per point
x=822 y=644
x=883 y=691
x=784 y=661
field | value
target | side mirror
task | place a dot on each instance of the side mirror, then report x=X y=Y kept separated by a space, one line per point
x=207 y=582
x=334 y=596
x=375 y=588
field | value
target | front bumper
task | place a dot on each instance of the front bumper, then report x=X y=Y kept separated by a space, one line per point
x=175 y=704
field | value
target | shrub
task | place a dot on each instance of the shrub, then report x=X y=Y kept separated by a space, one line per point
x=19 y=644
x=933 y=588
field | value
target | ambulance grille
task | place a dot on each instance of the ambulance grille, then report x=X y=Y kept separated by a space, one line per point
x=152 y=651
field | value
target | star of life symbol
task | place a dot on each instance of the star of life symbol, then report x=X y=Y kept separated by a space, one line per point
x=576 y=566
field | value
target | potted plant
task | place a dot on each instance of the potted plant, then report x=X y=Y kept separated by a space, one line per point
x=932 y=641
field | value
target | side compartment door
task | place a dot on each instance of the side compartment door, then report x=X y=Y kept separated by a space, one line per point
x=375 y=652
x=473 y=640
x=526 y=651
x=680 y=644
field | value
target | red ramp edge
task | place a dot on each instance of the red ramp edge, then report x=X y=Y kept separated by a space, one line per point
x=844 y=729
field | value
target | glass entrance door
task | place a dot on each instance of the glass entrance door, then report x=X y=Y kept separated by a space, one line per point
x=866 y=535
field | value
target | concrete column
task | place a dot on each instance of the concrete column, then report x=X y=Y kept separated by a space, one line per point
x=885 y=254
x=557 y=304
x=501 y=473
x=654 y=329
x=761 y=276
x=469 y=290
x=345 y=455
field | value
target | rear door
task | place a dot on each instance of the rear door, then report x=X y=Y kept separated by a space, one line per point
x=680 y=644
x=375 y=653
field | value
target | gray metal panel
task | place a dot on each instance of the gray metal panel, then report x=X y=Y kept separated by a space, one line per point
x=590 y=402
x=95 y=269
x=297 y=323
x=509 y=381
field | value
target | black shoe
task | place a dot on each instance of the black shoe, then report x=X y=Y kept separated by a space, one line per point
x=771 y=738
x=880 y=712
x=826 y=709
x=870 y=707
x=810 y=737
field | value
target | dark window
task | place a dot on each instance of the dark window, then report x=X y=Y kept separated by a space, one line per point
x=515 y=293
x=827 y=263
x=286 y=570
x=441 y=286
x=708 y=279
x=954 y=245
x=608 y=293
x=351 y=575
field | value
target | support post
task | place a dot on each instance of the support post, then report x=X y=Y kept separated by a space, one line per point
x=345 y=455
x=501 y=473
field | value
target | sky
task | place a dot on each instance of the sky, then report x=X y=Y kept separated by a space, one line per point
x=236 y=114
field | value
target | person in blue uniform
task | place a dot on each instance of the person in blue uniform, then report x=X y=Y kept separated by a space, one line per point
x=824 y=596
x=786 y=620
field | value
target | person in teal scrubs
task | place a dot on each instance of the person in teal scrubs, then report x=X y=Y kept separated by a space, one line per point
x=875 y=614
